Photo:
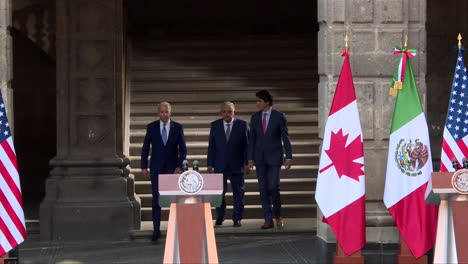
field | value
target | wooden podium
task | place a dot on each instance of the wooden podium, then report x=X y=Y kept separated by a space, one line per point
x=452 y=226
x=190 y=234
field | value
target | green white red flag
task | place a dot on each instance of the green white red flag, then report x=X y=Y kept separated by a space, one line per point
x=409 y=164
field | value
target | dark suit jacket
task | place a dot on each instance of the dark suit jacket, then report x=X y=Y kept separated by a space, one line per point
x=228 y=156
x=267 y=148
x=167 y=157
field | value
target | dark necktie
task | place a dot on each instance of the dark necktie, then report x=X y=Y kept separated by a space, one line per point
x=228 y=131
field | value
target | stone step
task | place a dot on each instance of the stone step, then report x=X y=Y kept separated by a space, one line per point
x=206 y=120
x=241 y=106
x=197 y=75
x=197 y=134
x=156 y=97
x=200 y=147
x=186 y=54
x=247 y=110
x=250 y=212
x=298 y=170
x=197 y=124
x=251 y=185
x=253 y=198
x=238 y=75
x=283 y=85
x=196 y=121
x=222 y=66
x=299 y=159
x=216 y=97
x=218 y=94
x=248 y=42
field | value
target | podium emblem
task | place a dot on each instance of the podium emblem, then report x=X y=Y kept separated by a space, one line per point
x=190 y=182
x=460 y=181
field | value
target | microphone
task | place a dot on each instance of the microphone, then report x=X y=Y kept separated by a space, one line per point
x=184 y=165
x=465 y=163
x=455 y=164
x=195 y=165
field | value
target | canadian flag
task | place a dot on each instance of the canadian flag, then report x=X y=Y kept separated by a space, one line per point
x=340 y=192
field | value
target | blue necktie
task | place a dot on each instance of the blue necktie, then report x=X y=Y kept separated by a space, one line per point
x=164 y=134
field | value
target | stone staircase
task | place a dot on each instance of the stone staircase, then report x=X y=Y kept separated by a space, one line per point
x=197 y=75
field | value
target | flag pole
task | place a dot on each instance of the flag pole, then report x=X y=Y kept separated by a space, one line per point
x=346 y=39
x=406 y=257
x=405 y=45
x=459 y=41
x=404 y=253
x=340 y=256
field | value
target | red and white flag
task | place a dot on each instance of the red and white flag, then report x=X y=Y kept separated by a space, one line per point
x=12 y=227
x=340 y=192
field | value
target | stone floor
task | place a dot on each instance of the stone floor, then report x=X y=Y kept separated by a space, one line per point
x=269 y=248
x=297 y=243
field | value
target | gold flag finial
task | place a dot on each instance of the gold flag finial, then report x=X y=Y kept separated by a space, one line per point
x=346 y=39
x=459 y=40
x=406 y=43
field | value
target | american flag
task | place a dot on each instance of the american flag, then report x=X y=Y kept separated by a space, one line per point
x=12 y=227
x=455 y=141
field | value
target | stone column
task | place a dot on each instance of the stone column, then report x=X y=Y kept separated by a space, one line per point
x=374 y=28
x=6 y=59
x=89 y=194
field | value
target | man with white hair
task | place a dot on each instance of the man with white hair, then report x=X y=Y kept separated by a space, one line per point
x=168 y=151
x=227 y=154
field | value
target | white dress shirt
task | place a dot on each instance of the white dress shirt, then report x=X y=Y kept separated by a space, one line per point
x=267 y=116
x=225 y=125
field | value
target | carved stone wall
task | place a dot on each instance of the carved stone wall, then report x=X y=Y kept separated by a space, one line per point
x=374 y=28
x=89 y=194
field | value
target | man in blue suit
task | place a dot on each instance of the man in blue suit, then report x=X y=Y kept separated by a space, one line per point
x=168 y=151
x=227 y=154
x=267 y=128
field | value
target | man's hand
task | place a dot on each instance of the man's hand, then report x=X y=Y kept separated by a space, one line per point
x=145 y=173
x=247 y=170
x=210 y=169
x=178 y=171
x=250 y=164
x=287 y=164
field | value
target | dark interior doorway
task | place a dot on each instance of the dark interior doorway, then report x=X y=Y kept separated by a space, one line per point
x=184 y=18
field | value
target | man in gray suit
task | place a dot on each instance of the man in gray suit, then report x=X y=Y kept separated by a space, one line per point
x=267 y=128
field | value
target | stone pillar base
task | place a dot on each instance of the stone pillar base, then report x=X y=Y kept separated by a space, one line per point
x=89 y=207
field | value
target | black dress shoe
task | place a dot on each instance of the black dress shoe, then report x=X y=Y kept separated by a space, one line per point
x=237 y=223
x=156 y=236
x=219 y=221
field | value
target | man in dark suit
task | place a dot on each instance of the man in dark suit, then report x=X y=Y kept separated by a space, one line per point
x=168 y=151
x=227 y=154
x=267 y=128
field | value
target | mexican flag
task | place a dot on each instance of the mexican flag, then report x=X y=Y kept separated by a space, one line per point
x=409 y=164
x=340 y=191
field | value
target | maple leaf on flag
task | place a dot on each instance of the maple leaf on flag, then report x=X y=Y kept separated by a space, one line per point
x=343 y=156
